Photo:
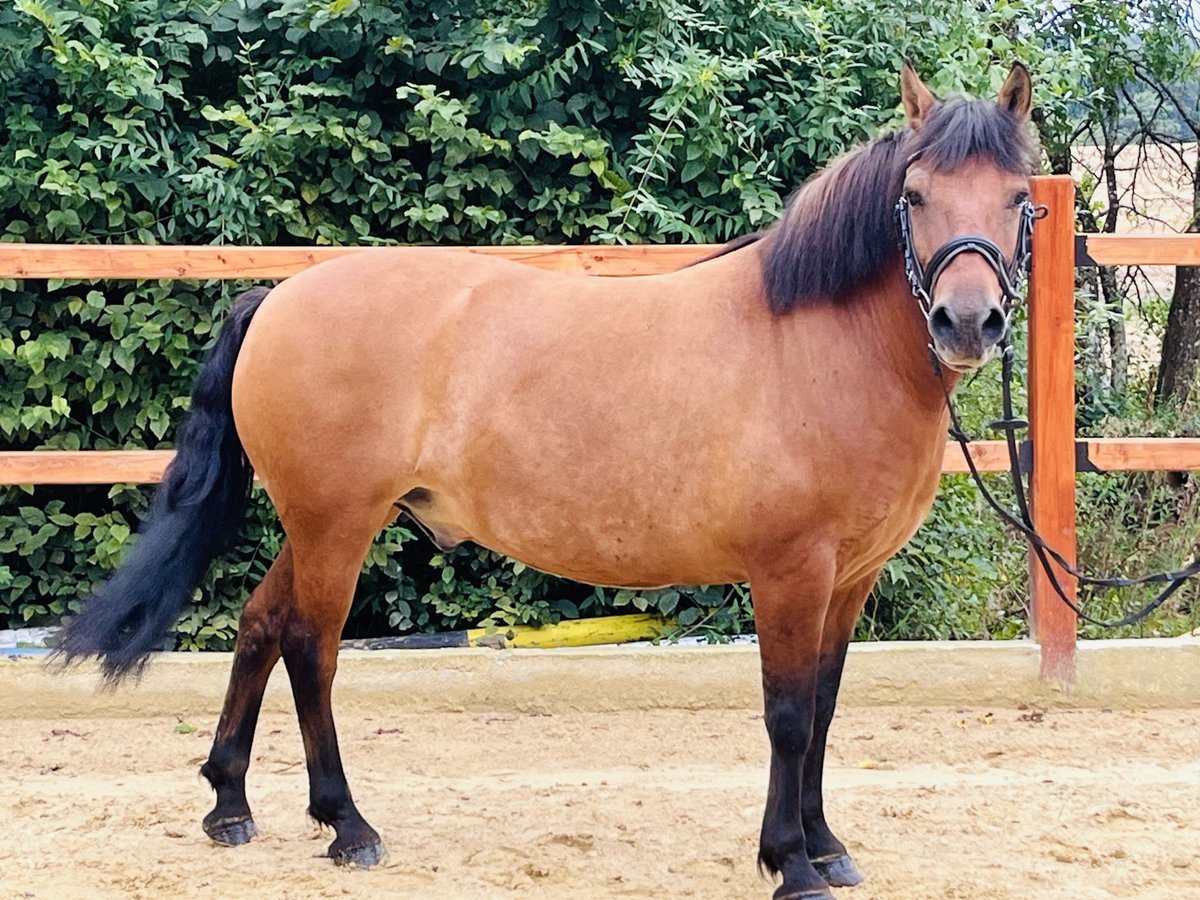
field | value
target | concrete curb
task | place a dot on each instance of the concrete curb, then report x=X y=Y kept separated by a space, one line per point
x=1116 y=673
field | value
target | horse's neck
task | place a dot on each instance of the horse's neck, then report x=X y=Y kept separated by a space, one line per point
x=893 y=330
x=878 y=339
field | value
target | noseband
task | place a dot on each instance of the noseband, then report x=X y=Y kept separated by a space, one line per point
x=923 y=279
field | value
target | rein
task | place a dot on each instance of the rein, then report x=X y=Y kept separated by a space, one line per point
x=1023 y=521
x=922 y=280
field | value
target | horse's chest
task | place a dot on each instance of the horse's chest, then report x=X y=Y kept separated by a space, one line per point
x=879 y=518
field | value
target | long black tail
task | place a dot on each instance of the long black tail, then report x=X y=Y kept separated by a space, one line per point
x=195 y=513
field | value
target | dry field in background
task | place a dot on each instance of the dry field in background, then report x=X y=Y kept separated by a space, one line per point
x=1162 y=192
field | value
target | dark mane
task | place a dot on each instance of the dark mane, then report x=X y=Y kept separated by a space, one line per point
x=838 y=232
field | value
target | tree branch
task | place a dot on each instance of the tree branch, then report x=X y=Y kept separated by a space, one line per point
x=1163 y=89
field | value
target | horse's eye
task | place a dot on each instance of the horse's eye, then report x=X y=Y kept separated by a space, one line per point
x=914 y=198
x=1021 y=197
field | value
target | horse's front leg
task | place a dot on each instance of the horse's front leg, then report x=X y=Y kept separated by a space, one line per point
x=791 y=598
x=827 y=853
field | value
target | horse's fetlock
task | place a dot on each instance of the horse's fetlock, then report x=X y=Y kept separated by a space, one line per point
x=331 y=807
x=778 y=843
x=224 y=768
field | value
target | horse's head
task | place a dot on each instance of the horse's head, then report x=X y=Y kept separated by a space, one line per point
x=964 y=213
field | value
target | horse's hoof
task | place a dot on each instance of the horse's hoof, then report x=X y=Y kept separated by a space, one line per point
x=838 y=871
x=231 y=831
x=362 y=856
x=783 y=892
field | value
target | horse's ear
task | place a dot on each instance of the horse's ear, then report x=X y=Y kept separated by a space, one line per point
x=1017 y=94
x=918 y=99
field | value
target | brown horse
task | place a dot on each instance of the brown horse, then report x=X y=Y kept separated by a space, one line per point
x=770 y=414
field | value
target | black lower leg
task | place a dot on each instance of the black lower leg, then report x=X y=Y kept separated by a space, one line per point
x=827 y=853
x=311 y=664
x=782 y=844
x=230 y=821
x=257 y=652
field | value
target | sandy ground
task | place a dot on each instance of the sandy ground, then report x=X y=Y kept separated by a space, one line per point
x=968 y=803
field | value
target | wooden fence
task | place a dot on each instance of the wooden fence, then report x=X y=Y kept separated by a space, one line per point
x=1056 y=454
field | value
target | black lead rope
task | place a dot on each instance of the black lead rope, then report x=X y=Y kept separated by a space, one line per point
x=1023 y=521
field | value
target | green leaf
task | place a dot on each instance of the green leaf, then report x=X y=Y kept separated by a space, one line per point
x=435 y=62
x=220 y=161
x=692 y=169
x=667 y=602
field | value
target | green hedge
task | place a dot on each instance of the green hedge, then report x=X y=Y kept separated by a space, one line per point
x=299 y=122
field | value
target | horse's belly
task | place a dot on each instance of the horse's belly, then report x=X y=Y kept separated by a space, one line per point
x=591 y=542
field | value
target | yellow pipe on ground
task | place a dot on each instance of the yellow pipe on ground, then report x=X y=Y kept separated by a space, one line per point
x=573 y=632
x=568 y=633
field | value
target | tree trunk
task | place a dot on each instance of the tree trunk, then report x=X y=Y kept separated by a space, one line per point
x=1181 y=343
x=1114 y=301
x=1109 y=357
x=1118 y=343
x=1091 y=394
x=1056 y=146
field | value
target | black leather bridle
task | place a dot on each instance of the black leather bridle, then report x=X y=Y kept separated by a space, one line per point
x=1009 y=272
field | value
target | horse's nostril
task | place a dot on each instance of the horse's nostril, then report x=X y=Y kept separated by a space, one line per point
x=941 y=323
x=993 y=327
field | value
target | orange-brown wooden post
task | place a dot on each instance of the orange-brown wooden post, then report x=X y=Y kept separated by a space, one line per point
x=1052 y=416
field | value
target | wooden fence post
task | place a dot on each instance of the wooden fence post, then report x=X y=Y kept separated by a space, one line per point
x=1052 y=416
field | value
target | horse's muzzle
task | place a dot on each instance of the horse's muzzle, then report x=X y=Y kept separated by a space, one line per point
x=965 y=339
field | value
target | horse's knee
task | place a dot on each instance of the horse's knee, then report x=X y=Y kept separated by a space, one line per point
x=789 y=721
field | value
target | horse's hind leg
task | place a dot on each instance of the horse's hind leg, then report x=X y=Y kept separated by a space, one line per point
x=257 y=651
x=329 y=551
x=827 y=853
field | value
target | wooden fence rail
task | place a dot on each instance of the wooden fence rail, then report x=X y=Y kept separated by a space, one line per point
x=1055 y=457
x=135 y=261
x=146 y=466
